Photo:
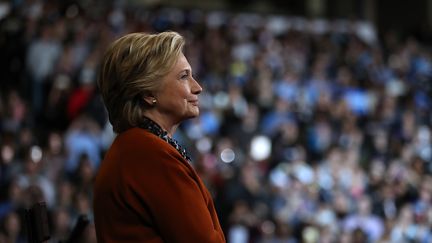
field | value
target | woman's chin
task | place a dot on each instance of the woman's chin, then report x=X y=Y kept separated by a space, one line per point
x=193 y=114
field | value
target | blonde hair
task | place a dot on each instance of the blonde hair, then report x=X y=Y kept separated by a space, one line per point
x=132 y=68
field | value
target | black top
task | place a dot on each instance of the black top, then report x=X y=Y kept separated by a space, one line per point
x=157 y=130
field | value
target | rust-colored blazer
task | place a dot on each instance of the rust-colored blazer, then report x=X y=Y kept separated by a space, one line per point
x=146 y=192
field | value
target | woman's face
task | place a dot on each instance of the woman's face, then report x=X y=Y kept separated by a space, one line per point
x=177 y=98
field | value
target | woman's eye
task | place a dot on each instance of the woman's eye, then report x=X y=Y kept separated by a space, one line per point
x=185 y=76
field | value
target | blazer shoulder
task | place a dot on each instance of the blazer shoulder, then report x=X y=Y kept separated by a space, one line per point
x=138 y=137
x=144 y=144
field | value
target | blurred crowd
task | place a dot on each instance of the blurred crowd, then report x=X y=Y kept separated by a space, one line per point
x=310 y=130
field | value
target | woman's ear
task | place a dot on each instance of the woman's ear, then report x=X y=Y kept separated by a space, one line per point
x=150 y=100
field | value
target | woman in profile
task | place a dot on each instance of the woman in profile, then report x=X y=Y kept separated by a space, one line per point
x=146 y=190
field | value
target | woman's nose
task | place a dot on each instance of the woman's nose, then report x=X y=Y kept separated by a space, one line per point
x=196 y=88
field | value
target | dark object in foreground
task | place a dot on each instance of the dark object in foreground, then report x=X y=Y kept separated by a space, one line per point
x=79 y=228
x=36 y=223
x=37 y=226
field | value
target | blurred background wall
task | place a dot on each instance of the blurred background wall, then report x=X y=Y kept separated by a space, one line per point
x=386 y=15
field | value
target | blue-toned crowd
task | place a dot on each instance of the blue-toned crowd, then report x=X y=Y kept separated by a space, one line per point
x=310 y=130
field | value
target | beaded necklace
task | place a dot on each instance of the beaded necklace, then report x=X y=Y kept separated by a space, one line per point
x=157 y=130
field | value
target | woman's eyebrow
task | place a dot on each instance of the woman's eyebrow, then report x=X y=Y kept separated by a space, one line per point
x=187 y=70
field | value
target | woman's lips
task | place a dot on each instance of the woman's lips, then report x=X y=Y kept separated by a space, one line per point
x=194 y=102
